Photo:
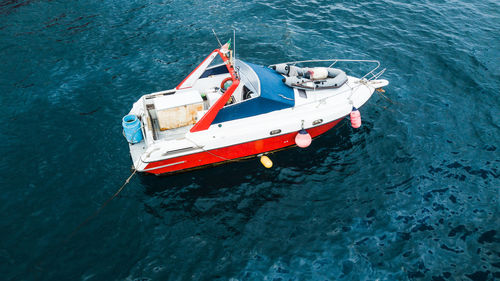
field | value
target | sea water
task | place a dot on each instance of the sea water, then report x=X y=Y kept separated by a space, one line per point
x=411 y=195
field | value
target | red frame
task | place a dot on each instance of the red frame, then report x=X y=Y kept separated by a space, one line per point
x=207 y=119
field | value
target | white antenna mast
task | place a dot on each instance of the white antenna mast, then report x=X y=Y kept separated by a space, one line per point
x=234 y=44
x=220 y=44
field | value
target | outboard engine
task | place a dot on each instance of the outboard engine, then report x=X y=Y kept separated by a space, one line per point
x=288 y=70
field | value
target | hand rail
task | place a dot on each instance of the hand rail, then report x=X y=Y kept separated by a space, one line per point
x=334 y=61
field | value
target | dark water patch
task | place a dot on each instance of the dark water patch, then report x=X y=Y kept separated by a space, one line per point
x=479 y=275
x=461 y=229
x=444 y=247
x=90 y=112
x=488 y=237
x=9 y=6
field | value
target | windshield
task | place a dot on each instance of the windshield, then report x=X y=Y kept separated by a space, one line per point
x=248 y=76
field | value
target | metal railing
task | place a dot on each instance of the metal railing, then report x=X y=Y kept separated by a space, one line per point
x=334 y=61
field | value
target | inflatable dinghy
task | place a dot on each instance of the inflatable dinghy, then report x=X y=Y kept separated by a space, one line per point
x=311 y=78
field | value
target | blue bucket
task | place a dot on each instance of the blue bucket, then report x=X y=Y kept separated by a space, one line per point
x=132 y=128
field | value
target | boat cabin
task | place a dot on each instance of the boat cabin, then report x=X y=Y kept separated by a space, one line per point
x=216 y=94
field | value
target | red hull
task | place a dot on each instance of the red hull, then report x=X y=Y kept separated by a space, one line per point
x=232 y=152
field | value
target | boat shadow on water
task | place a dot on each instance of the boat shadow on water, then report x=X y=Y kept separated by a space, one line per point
x=225 y=198
x=232 y=174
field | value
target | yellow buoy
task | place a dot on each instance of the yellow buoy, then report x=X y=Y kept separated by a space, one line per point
x=266 y=161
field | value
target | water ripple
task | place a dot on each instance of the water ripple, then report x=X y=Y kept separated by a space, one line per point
x=412 y=195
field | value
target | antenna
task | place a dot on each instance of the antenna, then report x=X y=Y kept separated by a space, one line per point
x=220 y=44
x=234 y=44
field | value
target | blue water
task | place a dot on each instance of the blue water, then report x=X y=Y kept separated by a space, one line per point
x=412 y=195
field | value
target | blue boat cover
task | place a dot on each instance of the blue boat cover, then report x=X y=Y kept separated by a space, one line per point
x=274 y=95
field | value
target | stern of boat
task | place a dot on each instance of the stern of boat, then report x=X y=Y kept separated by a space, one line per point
x=138 y=149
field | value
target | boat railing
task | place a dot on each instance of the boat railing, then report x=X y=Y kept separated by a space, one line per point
x=372 y=72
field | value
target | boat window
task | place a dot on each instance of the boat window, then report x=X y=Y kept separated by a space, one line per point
x=215 y=70
x=248 y=77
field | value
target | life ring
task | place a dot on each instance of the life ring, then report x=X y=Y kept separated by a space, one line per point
x=222 y=85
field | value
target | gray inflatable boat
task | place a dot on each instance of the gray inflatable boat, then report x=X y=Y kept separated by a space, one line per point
x=311 y=78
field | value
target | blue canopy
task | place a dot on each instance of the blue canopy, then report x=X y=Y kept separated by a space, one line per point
x=274 y=95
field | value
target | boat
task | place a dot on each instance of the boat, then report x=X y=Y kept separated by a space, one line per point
x=228 y=109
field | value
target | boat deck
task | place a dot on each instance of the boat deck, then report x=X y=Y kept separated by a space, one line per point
x=171 y=134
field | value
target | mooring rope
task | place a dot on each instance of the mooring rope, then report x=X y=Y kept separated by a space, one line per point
x=388 y=99
x=37 y=265
x=384 y=108
x=213 y=154
x=100 y=208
